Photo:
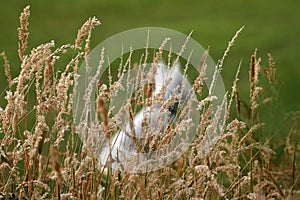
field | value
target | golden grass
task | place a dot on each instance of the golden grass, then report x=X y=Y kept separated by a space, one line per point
x=48 y=161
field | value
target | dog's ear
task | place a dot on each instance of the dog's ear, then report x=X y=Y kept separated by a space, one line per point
x=176 y=67
x=161 y=62
x=162 y=73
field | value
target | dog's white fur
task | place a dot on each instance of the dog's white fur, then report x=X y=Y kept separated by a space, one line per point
x=122 y=146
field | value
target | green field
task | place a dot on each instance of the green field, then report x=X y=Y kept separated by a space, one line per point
x=270 y=26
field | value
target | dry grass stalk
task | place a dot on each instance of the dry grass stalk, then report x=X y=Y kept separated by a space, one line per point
x=254 y=79
x=235 y=93
x=85 y=31
x=200 y=80
x=230 y=44
x=7 y=69
x=102 y=111
x=23 y=32
x=271 y=73
x=56 y=164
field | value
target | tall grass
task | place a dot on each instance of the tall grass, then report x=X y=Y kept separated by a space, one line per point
x=42 y=156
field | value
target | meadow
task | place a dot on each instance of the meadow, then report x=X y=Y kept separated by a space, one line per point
x=256 y=155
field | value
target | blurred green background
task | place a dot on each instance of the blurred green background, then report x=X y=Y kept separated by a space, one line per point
x=272 y=26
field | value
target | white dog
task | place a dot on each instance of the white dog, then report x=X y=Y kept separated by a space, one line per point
x=122 y=148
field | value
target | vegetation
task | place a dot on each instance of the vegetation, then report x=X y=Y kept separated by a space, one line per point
x=42 y=157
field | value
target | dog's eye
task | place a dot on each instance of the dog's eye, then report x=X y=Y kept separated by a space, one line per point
x=173 y=108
